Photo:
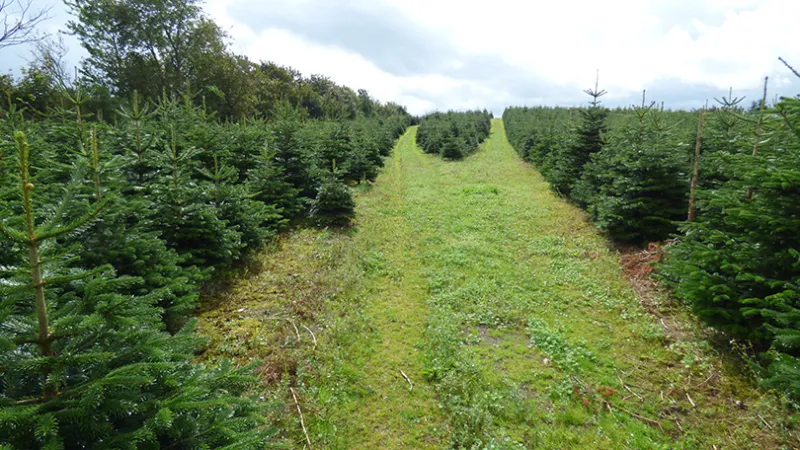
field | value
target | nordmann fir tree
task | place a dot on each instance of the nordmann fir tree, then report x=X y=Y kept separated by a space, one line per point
x=590 y=137
x=334 y=204
x=135 y=135
x=367 y=155
x=293 y=186
x=453 y=135
x=189 y=224
x=82 y=366
x=723 y=136
x=635 y=187
x=269 y=184
x=238 y=206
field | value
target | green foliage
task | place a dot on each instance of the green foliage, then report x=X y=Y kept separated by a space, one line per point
x=356 y=148
x=181 y=197
x=560 y=149
x=334 y=204
x=548 y=139
x=590 y=135
x=144 y=45
x=636 y=186
x=96 y=335
x=738 y=264
x=152 y=48
x=190 y=223
x=83 y=361
x=453 y=135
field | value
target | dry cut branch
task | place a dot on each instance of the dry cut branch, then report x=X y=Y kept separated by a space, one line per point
x=302 y=422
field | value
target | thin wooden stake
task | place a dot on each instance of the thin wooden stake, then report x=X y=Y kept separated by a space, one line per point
x=302 y=422
x=696 y=170
x=790 y=67
x=758 y=129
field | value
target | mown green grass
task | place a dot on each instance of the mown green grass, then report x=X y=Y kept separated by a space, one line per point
x=507 y=311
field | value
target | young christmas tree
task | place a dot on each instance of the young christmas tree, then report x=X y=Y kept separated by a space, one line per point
x=235 y=204
x=334 y=204
x=182 y=212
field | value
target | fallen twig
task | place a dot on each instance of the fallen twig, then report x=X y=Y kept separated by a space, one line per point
x=302 y=422
x=608 y=405
x=713 y=374
x=296 y=331
x=632 y=414
x=410 y=385
x=312 y=335
x=694 y=405
x=629 y=389
x=765 y=422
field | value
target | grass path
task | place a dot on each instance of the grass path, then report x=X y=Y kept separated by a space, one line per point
x=506 y=310
x=389 y=413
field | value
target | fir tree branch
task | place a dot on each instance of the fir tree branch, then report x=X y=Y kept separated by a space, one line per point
x=74 y=225
x=63 y=279
x=13 y=234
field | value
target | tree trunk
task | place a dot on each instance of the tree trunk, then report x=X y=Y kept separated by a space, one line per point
x=43 y=334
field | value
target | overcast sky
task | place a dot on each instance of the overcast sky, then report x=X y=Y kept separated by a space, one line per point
x=457 y=54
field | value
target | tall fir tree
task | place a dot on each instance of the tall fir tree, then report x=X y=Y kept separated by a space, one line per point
x=590 y=137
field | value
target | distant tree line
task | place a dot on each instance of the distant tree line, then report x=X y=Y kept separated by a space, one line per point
x=169 y=47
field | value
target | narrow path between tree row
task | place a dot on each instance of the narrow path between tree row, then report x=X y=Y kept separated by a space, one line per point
x=505 y=310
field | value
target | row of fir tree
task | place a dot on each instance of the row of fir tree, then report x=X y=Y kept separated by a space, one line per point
x=453 y=135
x=721 y=185
x=128 y=186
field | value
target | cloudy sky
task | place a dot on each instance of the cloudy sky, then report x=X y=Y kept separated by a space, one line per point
x=457 y=54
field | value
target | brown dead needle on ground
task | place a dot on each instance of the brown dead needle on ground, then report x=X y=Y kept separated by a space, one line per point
x=638 y=265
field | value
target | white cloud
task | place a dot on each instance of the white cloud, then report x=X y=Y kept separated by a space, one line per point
x=634 y=44
x=353 y=70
